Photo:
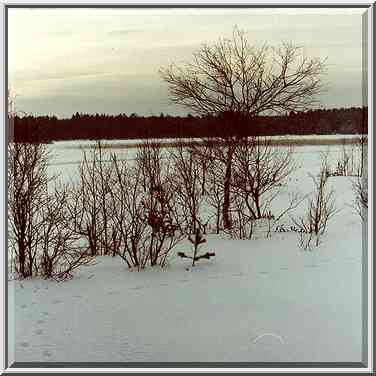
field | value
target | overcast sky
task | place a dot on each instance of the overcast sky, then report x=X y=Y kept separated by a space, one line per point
x=63 y=61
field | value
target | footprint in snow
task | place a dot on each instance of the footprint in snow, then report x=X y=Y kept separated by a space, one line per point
x=45 y=313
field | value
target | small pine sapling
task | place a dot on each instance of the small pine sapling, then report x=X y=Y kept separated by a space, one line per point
x=197 y=240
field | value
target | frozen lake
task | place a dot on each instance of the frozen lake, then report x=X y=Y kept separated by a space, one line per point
x=67 y=155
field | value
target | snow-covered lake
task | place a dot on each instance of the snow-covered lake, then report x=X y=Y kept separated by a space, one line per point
x=67 y=155
x=262 y=300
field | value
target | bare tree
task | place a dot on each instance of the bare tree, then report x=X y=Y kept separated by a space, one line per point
x=60 y=250
x=188 y=187
x=350 y=161
x=259 y=173
x=28 y=184
x=238 y=81
x=130 y=240
x=145 y=220
x=159 y=202
x=321 y=208
x=215 y=191
x=361 y=196
x=40 y=232
x=90 y=205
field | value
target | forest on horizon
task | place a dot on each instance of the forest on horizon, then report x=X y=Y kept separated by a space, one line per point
x=80 y=126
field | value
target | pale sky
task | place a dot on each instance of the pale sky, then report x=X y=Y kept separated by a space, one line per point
x=63 y=61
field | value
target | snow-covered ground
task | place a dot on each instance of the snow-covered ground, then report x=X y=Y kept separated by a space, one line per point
x=256 y=300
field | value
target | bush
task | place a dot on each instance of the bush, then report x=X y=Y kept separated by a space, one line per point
x=42 y=242
x=321 y=208
x=145 y=220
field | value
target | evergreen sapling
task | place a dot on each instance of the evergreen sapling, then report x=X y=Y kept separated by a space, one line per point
x=197 y=240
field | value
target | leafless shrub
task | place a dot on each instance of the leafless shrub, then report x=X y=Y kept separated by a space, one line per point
x=219 y=151
x=159 y=202
x=145 y=221
x=321 y=208
x=60 y=250
x=242 y=223
x=361 y=196
x=349 y=163
x=130 y=222
x=90 y=206
x=28 y=184
x=187 y=184
x=260 y=173
x=41 y=239
x=215 y=191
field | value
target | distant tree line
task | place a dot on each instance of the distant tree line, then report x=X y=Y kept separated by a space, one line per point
x=31 y=128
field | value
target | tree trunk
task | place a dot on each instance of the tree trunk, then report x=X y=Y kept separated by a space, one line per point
x=227 y=185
